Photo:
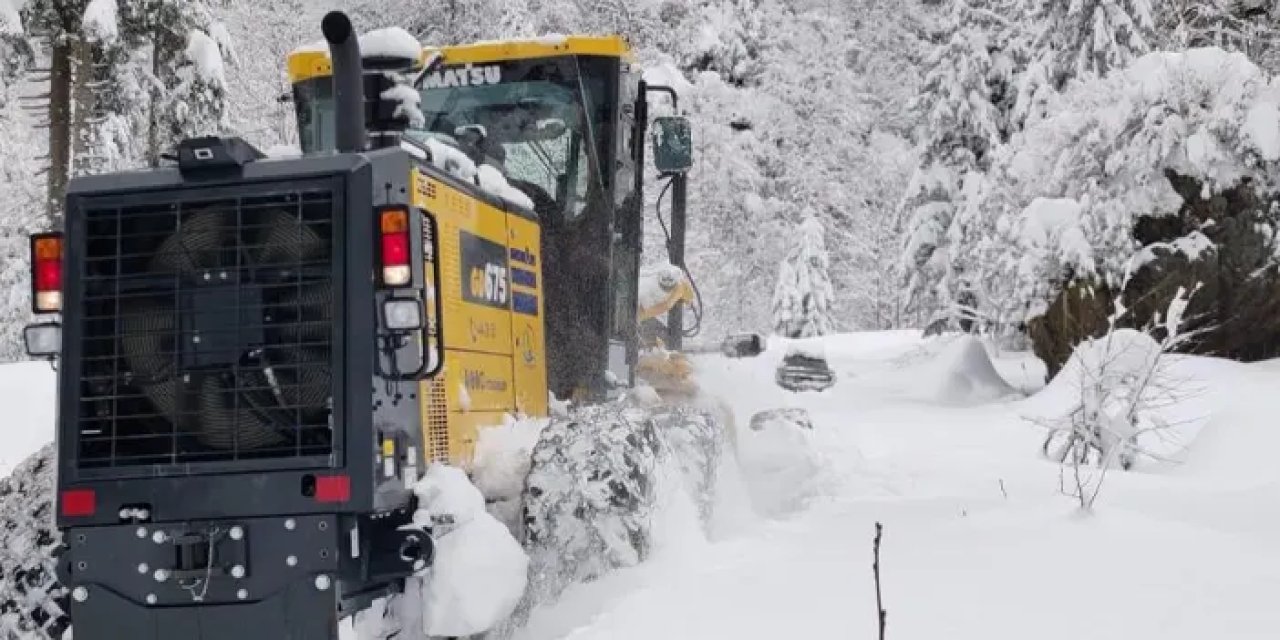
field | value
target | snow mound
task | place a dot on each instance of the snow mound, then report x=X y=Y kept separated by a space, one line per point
x=501 y=462
x=448 y=158
x=1105 y=374
x=964 y=374
x=480 y=571
x=392 y=42
x=27 y=393
x=491 y=179
x=779 y=464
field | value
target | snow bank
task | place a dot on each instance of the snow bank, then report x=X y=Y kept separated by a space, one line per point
x=27 y=394
x=100 y=21
x=779 y=464
x=480 y=571
x=964 y=374
x=1106 y=372
x=501 y=462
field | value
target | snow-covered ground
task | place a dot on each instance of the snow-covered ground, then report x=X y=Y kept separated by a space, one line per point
x=27 y=392
x=979 y=542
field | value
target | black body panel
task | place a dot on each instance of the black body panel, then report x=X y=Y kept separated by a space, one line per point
x=272 y=600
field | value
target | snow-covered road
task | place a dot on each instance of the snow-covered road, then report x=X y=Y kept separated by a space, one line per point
x=979 y=541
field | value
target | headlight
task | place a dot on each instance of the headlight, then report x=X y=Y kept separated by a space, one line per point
x=402 y=315
x=43 y=340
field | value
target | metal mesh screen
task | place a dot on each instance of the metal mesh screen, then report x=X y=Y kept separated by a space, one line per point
x=207 y=329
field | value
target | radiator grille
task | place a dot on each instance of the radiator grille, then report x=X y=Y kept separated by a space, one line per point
x=207 y=329
x=436 y=411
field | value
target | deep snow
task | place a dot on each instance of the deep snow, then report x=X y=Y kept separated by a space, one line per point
x=979 y=541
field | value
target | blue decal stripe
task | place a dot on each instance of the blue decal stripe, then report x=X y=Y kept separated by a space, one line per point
x=524 y=278
x=525 y=303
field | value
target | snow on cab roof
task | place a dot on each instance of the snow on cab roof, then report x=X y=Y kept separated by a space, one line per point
x=312 y=60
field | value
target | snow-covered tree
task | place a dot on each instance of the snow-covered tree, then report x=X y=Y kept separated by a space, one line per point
x=963 y=126
x=1082 y=38
x=803 y=296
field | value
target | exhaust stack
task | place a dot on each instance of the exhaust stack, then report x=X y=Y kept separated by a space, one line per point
x=348 y=89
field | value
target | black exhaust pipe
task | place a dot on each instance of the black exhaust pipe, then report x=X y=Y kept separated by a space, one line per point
x=348 y=78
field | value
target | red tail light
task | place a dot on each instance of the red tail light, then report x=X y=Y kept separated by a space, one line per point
x=46 y=272
x=333 y=488
x=394 y=227
x=78 y=503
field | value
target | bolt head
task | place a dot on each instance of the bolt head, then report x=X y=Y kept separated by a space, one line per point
x=243 y=594
x=237 y=532
x=141 y=532
x=151 y=598
x=323 y=582
x=237 y=571
x=159 y=537
x=80 y=594
x=291 y=561
x=291 y=524
x=161 y=575
x=143 y=568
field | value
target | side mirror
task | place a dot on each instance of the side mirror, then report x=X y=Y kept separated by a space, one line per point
x=672 y=144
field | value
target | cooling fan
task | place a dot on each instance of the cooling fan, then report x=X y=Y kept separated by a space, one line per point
x=236 y=350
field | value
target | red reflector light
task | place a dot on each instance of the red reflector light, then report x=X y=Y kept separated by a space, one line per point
x=395 y=250
x=393 y=227
x=46 y=272
x=78 y=502
x=333 y=488
x=48 y=275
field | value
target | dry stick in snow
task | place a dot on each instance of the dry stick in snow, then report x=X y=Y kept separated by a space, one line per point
x=875 y=568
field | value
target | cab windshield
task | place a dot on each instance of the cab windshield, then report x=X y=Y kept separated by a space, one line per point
x=545 y=124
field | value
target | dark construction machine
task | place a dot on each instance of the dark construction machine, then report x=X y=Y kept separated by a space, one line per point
x=259 y=357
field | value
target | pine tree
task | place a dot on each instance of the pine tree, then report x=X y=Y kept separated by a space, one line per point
x=803 y=297
x=963 y=127
x=1082 y=38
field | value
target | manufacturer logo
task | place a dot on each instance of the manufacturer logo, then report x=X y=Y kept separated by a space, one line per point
x=465 y=76
x=485 y=277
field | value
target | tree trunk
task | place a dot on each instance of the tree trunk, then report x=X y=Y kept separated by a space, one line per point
x=60 y=79
x=84 y=105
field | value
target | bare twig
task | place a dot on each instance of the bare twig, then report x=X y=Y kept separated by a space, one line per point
x=883 y=615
